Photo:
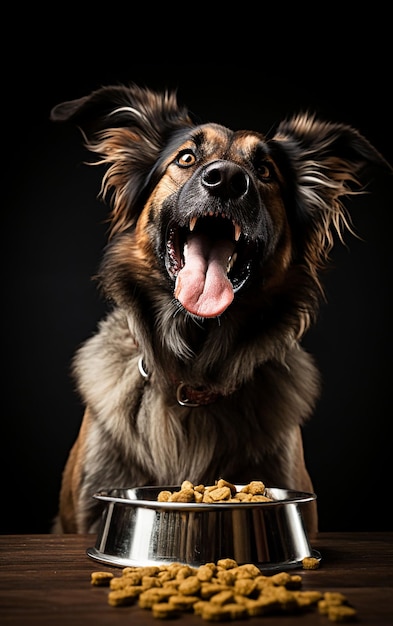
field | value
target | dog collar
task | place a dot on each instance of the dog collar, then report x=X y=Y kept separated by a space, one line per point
x=185 y=394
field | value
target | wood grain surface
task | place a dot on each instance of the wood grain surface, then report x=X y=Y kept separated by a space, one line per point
x=45 y=581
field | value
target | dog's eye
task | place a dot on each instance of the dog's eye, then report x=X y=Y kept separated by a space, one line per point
x=186 y=158
x=264 y=170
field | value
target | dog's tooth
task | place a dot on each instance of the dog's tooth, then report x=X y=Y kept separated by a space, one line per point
x=231 y=262
x=238 y=231
x=193 y=221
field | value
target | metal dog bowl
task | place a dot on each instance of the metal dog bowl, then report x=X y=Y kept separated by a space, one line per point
x=138 y=530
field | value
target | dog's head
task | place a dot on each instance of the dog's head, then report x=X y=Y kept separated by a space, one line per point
x=216 y=218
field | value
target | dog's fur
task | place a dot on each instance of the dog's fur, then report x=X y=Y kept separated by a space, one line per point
x=232 y=354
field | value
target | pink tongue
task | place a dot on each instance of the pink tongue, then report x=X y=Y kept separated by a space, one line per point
x=202 y=285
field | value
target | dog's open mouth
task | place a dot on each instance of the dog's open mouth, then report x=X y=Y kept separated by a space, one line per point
x=209 y=260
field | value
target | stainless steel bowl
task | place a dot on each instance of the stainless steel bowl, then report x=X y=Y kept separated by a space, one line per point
x=137 y=530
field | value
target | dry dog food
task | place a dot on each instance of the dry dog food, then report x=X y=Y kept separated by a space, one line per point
x=218 y=592
x=101 y=579
x=221 y=491
x=310 y=562
x=336 y=607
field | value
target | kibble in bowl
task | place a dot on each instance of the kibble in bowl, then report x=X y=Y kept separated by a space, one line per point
x=197 y=524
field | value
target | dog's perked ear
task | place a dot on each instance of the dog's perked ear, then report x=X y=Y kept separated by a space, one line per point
x=323 y=163
x=128 y=127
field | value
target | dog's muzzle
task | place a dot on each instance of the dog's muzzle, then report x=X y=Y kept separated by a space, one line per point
x=219 y=230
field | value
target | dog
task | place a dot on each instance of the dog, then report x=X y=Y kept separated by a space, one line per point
x=217 y=241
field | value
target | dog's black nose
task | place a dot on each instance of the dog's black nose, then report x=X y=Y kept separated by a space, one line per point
x=225 y=179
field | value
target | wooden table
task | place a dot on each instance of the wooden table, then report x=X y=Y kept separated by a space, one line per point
x=45 y=581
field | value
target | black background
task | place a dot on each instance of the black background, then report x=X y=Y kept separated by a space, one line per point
x=53 y=233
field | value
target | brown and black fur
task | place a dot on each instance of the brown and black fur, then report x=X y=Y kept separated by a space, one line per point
x=241 y=363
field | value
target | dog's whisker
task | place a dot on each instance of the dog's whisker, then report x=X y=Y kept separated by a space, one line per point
x=197 y=321
x=178 y=307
